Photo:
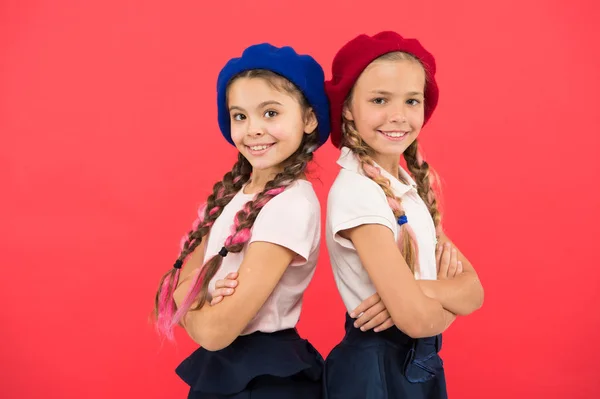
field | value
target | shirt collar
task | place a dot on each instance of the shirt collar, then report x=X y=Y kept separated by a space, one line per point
x=349 y=161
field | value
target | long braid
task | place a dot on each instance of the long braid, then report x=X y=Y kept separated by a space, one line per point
x=294 y=168
x=223 y=192
x=406 y=237
x=418 y=168
x=421 y=172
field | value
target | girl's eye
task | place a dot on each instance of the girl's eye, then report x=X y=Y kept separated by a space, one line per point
x=378 y=101
x=271 y=114
x=413 y=101
x=238 y=117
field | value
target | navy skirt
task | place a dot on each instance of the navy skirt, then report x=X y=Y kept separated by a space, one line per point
x=384 y=365
x=256 y=366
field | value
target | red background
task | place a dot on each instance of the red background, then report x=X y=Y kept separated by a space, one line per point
x=109 y=141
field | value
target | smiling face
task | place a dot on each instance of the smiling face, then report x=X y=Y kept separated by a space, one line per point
x=387 y=104
x=267 y=123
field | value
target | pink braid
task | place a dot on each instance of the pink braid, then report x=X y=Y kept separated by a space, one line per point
x=240 y=235
x=396 y=204
x=223 y=192
x=190 y=296
x=198 y=293
x=166 y=308
x=166 y=305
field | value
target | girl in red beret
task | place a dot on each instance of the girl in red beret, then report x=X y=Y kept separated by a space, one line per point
x=383 y=227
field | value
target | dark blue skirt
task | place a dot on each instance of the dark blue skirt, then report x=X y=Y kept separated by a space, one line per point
x=256 y=366
x=384 y=365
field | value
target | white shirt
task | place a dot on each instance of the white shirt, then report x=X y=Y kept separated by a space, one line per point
x=291 y=219
x=354 y=199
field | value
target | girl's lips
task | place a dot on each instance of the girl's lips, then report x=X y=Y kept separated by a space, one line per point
x=259 y=149
x=394 y=135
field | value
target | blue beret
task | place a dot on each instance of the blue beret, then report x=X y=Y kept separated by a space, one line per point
x=302 y=70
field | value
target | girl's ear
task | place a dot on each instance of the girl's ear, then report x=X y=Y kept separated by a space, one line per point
x=347 y=114
x=310 y=121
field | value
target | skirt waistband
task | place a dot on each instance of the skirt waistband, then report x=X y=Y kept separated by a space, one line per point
x=392 y=336
x=229 y=370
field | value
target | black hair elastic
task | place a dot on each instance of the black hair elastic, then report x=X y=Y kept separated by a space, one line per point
x=178 y=264
x=223 y=252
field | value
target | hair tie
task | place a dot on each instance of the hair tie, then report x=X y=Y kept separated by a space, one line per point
x=223 y=252
x=178 y=264
x=402 y=219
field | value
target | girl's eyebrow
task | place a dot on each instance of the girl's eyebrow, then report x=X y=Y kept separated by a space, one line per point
x=387 y=93
x=261 y=105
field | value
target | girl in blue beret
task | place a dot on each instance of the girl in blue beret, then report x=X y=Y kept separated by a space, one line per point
x=259 y=233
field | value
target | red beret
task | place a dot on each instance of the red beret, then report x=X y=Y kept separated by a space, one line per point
x=356 y=55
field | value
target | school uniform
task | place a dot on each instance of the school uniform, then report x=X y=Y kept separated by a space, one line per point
x=269 y=360
x=388 y=364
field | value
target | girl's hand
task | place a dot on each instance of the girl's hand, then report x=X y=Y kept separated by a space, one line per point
x=372 y=313
x=448 y=265
x=223 y=288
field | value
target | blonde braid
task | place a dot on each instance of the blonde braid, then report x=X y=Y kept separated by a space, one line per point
x=406 y=238
x=421 y=172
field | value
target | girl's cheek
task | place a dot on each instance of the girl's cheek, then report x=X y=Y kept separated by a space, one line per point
x=279 y=132
x=236 y=135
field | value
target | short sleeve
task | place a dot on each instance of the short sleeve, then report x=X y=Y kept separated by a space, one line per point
x=291 y=221
x=355 y=200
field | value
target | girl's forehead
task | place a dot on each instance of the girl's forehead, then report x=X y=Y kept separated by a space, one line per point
x=256 y=91
x=254 y=84
x=397 y=72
